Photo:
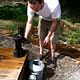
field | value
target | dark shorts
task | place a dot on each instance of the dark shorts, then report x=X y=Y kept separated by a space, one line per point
x=44 y=27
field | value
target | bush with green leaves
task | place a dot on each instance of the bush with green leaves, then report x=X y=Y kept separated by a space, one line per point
x=12 y=27
x=13 y=12
x=74 y=37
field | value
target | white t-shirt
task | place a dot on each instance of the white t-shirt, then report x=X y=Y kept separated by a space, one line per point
x=50 y=10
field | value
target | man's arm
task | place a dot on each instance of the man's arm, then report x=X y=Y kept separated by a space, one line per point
x=28 y=27
x=52 y=29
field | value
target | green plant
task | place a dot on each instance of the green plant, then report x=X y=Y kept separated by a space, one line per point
x=20 y=13
x=13 y=28
x=35 y=21
x=13 y=12
x=71 y=18
x=74 y=37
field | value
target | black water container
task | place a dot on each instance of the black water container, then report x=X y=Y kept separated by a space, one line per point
x=18 y=39
x=18 y=51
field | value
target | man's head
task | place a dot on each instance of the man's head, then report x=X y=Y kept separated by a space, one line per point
x=34 y=1
x=36 y=5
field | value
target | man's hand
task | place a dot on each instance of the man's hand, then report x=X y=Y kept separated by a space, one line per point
x=46 y=40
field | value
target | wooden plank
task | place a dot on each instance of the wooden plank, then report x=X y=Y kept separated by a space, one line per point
x=9 y=74
x=10 y=67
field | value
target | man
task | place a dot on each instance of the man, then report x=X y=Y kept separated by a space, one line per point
x=49 y=15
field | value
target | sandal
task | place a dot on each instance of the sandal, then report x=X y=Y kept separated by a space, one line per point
x=52 y=63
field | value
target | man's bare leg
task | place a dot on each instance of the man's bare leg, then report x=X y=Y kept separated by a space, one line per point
x=53 y=46
x=53 y=60
x=41 y=46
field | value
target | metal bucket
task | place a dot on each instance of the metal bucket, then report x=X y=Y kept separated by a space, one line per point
x=36 y=67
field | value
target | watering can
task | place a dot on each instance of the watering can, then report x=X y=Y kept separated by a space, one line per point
x=36 y=68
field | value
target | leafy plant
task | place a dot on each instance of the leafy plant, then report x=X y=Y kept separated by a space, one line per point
x=74 y=37
x=13 y=12
x=35 y=21
x=13 y=28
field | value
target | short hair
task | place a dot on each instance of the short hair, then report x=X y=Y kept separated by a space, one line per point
x=34 y=1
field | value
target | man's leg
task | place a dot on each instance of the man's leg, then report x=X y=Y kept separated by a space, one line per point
x=41 y=46
x=53 y=47
x=42 y=32
x=53 y=42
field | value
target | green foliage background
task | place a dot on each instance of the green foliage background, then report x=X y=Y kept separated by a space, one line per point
x=13 y=12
